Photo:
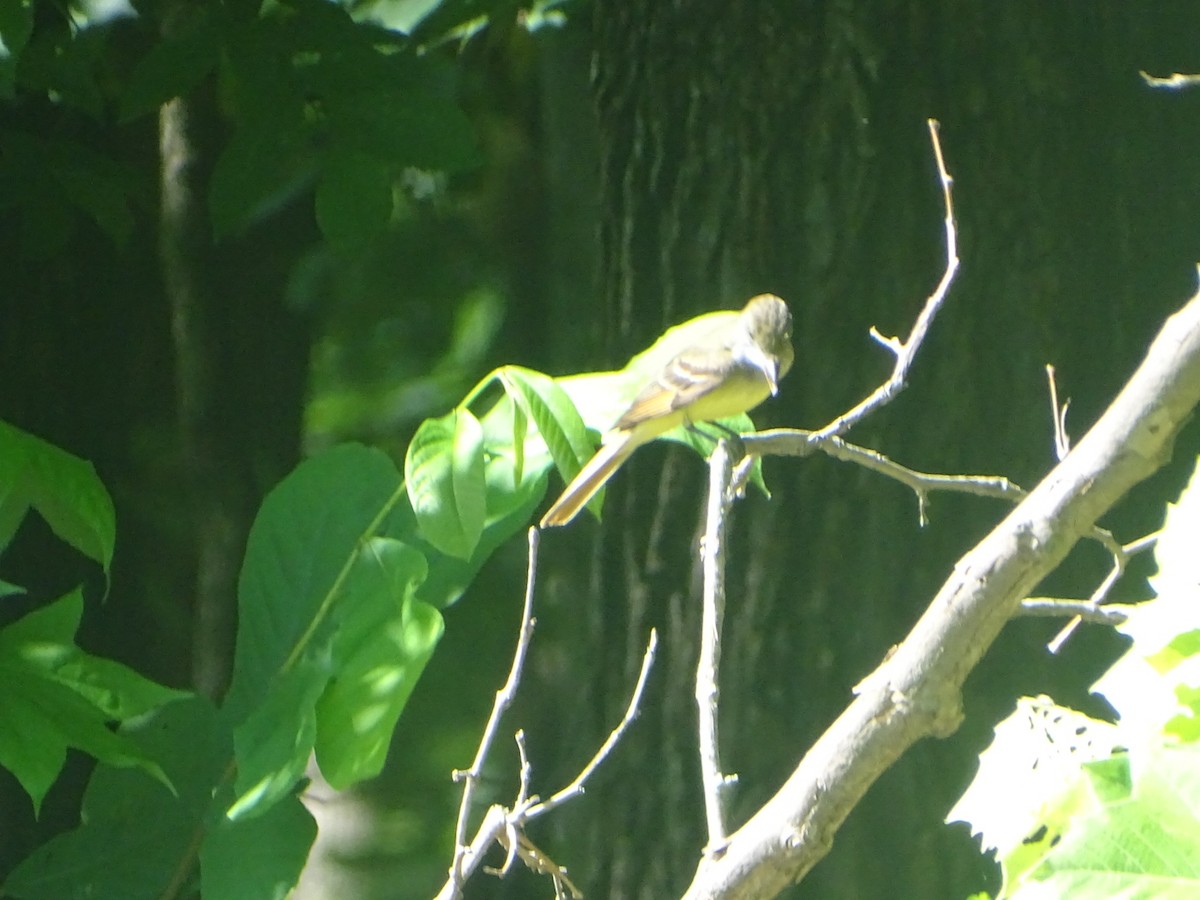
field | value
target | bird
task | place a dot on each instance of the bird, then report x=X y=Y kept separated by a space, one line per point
x=728 y=366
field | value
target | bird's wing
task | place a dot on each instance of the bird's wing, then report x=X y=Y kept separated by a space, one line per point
x=685 y=379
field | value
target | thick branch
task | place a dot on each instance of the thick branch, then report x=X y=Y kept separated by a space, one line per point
x=916 y=692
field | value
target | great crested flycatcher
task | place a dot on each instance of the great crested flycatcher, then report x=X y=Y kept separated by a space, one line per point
x=725 y=370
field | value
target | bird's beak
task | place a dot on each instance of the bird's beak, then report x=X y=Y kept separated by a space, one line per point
x=770 y=368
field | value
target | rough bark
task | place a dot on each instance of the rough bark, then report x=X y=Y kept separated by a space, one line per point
x=748 y=147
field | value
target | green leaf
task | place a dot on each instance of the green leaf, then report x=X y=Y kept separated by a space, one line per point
x=259 y=858
x=380 y=650
x=69 y=67
x=135 y=831
x=64 y=490
x=1142 y=686
x=273 y=745
x=444 y=473
x=55 y=696
x=405 y=124
x=558 y=422
x=263 y=165
x=703 y=439
x=295 y=590
x=509 y=510
x=1030 y=780
x=462 y=18
x=354 y=199
x=170 y=69
x=309 y=530
x=520 y=433
x=1080 y=808
x=16 y=25
x=1143 y=842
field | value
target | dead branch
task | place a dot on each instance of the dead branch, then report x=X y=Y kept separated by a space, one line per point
x=916 y=691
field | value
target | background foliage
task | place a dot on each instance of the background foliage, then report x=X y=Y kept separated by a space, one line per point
x=239 y=233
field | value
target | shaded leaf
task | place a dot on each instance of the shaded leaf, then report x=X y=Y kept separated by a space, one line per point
x=273 y=745
x=309 y=529
x=263 y=165
x=354 y=199
x=16 y=25
x=170 y=69
x=259 y=858
x=136 y=833
x=64 y=490
x=56 y=696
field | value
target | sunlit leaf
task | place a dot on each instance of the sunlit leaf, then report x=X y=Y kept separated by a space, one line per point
x=309 y=529
x=381 y=647
x=444 y=473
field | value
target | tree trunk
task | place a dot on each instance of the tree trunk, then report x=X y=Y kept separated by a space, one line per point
x=753 y=147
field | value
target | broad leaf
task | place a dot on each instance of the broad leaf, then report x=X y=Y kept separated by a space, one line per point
x=380 y=649
x=444 y=474
x=56 y=696
x=259 y=858
x=305 y=537
x=170 y=69
x=354 y=198
x=62 y=488
x=136 y=834
x=546 y=404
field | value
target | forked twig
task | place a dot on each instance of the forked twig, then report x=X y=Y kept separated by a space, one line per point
x=1121 y=554
x=906 y=351
x=504 y=699
x=505 y=826
x=725 y=481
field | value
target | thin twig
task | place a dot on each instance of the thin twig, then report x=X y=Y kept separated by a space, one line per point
x=505 y=826
x=906 y=351
x=576 y=787
x=1175 y=81
x=797 y=442
x=1121 y=554
x=1058 y=607
x=712 y=551
x=1062 y=440
x=504 y=699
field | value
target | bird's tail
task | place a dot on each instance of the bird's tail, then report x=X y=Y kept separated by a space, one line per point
x=590 y=479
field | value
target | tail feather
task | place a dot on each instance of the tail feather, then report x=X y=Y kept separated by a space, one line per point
x=591 y=478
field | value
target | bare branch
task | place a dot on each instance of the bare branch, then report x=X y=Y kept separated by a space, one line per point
x=797 y=442
x=906 y=351
x=575 y=788
x=1121 y=554
x=1175 y=81
x=712 y=549
x=505 y=826
x=916 y=691
x=1056 y=607
x=1062 y=440
x=464 y=859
